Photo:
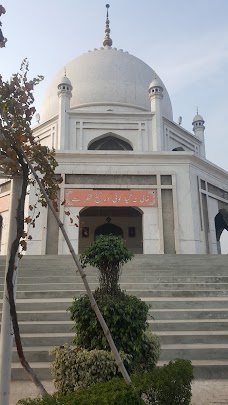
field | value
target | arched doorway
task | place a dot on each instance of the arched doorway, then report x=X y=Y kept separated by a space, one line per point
x=107 y=229
x=221 y=224
x=125 y=222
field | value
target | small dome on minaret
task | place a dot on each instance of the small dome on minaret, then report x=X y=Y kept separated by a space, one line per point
x=107 y=41
x=65 y=86
x=156 y=88
x=198 y=121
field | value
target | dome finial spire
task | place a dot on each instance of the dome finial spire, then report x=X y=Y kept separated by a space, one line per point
x=107 y=41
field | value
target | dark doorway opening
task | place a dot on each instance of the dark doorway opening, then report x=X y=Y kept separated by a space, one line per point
x=107 y=229
x=221 y=223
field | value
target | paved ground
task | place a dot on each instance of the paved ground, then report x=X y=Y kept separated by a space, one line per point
x=210 y=392
x=204 y=392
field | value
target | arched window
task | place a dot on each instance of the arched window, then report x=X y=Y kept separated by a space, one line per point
x=110 y=142
x=178 y=149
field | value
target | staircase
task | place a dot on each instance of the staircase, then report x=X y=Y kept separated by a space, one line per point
x=188 y=295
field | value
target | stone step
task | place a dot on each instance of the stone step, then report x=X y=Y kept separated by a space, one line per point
x=35 y=354
x=40 y=304
x=59 y=268
x=186 y=304
x=168 y=352
x=158 y=314
x=132 y=279
x=203 y=369
x=193 y=352
x=193 y=337
x=37 y=327
x=141 y=294
x=57 y=316
x=188 y=314
x=179 y=303
x=53 y=330
x=56 y=325
x=188 y=325
x=47 y=339
x=134 y=287
x=154 y=257
x=41 y=369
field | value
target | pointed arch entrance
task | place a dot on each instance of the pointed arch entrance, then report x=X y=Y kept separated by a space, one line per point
x=125 y=222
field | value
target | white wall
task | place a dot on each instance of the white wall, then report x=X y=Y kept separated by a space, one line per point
x=212 y=212
x=5 y=228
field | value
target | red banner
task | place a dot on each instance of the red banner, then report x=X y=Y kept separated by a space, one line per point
x=111 y=198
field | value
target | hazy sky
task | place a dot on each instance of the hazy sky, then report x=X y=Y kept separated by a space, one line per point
x=186 y=42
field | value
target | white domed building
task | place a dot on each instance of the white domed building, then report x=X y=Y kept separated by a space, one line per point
x=127 y=167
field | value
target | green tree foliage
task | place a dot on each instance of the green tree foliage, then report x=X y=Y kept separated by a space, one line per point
x=126 y=317
x=108 y=254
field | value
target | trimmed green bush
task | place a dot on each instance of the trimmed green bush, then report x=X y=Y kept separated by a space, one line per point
x=108 y=254
x=168 y=385
x=150 y=351
x=113 y=392
x=75 y=368
x=126 y=318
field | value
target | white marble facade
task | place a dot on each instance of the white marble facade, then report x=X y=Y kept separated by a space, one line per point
x=110 y=120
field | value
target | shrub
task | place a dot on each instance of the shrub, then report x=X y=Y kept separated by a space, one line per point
x=113 y=392
x=150 y=351
x=126 y=317
x=108 y=254
x=168 y=385
x=74 y=367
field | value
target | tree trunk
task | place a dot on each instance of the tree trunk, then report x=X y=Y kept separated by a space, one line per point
x=9 y=281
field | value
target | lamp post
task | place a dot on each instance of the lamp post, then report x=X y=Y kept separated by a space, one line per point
x=6 y=343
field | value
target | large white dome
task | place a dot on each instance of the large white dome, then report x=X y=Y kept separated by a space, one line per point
x=106 y=76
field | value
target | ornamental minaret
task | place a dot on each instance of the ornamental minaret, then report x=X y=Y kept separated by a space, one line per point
x=156 y=96
x=64 y=92
x=107 y=41
x=198 y=128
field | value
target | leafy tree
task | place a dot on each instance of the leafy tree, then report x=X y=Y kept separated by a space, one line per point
x=2 y=39
x=16 y=142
